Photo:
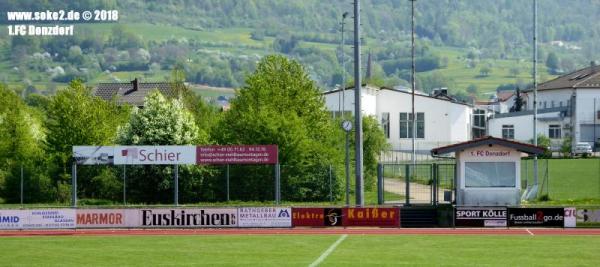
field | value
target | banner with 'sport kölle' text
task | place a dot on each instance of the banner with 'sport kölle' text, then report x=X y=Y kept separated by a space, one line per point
x=536 y=217
x=264 y=217
x=480 y=217
x=194 y=218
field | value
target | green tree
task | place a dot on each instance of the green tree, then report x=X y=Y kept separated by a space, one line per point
x=484 y=71
x=543 y=141
x=76 y=117
x=514 y=71
x=281 y=105
x=472 y=89
x=566 y=146
x=374 y=142
x=552 y=62
x=21 y=142
x=162 y=121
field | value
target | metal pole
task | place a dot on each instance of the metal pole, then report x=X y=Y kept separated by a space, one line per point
x=413 y=84
x=347 y=169
x=277 y=184
x=124 y=184
x=21 y=185
x=343 y=68
x=330 y=185
x=357 y=108
x=74 y=184
x=407 y=184
x=227 y=181
x=535 y=139
x=347 y=147
x=595 y=116
x=380 y=190
x=176 y=183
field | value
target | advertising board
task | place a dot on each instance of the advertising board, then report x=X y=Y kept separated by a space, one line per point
x=536 y=217
x=381 y=217
x=570 y=218
x=588 y=217
x=480 y=217
x=93 y=155
x=317 y=217
x=154 y=155
x=49 y=219
x=11 y=219
x=237 y=154
x=264 y=217
x=106 y=218
x=197 y=218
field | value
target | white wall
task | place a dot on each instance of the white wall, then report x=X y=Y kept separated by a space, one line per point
x=523 y=126
x=445 y=122
x=332 y=101
x=585 y=114
x=558 y=96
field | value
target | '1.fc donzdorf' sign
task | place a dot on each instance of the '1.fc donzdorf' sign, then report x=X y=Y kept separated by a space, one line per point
x=171 y=155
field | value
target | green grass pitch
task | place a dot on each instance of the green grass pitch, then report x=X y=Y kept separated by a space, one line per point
x=300 y=250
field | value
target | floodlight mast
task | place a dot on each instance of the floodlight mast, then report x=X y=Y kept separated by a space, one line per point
x=357 y=108
x=413 y=87
x=535 y=111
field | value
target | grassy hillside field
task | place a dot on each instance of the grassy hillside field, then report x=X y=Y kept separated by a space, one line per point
x=238 y=41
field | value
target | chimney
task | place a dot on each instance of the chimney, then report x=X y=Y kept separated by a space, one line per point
x=135 y=84
x=593 y=67
x=444 y=91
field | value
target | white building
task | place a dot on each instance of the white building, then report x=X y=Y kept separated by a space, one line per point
x=567 y=106
x=441 y=120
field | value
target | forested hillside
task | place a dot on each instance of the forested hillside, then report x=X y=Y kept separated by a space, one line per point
x=470 y=46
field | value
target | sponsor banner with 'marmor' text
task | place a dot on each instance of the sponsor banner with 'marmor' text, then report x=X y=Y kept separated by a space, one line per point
x=107 y=218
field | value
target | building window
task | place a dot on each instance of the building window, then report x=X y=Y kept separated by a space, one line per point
x=560 y=104
x=385 y=123
x=554 y=131
x=406 y=130
x=479 y=118
x=490 y=174
x=545 y=104
x=478 y=123
x=552 y=103
x=508 y=131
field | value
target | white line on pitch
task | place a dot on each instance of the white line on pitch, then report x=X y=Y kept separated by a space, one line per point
x=328 y=251
x=529 y=231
